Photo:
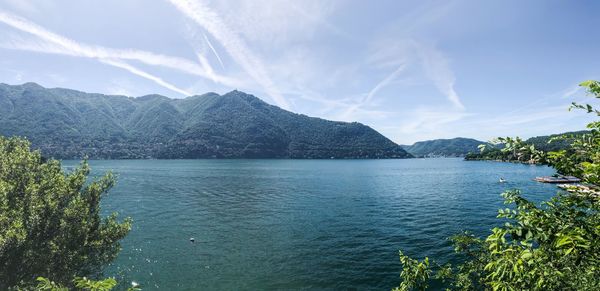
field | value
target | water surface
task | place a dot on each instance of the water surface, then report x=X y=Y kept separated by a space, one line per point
x=299 y=224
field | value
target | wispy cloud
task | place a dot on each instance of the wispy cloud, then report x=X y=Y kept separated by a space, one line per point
x=319 y=20
x=369 y=96
x=136 y=71
x=272 y=25
x=431 y=119
x=335 y=108
x=569 y=92
x=433 y=62
x=437 y=67
x=552 y=98
x=233 y=44
x=423 y=64
x=57 y=44
x=426 y=122
x=529 y=113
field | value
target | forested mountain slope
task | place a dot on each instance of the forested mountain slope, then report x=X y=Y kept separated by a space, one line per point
x=455 y=147
x=66 y=123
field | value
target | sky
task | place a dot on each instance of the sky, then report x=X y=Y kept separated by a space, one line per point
x=413 y=70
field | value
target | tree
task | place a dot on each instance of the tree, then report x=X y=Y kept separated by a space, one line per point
x=508 y=149
x=82 y=283
x=50 y=223
x=553 y=246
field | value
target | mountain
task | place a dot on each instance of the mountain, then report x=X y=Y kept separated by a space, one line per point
x=66 y=124
x=456 y=147
x=548 y=143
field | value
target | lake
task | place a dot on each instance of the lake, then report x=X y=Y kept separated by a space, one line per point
x=299 y=224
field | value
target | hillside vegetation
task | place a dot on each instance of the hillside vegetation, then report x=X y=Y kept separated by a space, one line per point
x=524 y=150
x=455 y=147
x=555 y=142
x=68 y=124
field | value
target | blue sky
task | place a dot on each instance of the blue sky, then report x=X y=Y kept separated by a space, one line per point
x=413 y=70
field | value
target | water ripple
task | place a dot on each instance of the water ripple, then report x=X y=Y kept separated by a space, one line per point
x=298 y=225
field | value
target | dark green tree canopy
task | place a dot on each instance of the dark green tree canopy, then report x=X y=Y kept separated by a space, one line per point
x=50 y=223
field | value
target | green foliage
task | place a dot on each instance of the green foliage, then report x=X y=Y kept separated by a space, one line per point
x=50 y=222
x=84 y=283
x=81 y=283
x=509 y=149
x=45 y=284
x=68 y=124
x=555 y=142
x=456 y=147
x=415 y=275
x=524 y=149
x=582 y=159
x=553 y=246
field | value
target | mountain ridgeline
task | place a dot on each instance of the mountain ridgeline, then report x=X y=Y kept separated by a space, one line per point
x=468 y=147
x=525 y=153
x=69 y=124
x=456 y=147
x=549 y=143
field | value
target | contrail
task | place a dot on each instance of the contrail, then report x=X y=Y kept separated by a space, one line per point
x=143 y=74
x=66 y=46
x=233 y=44
x=375 y=89
x=214 y=51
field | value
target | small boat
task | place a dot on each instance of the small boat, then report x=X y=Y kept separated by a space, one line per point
x=558 y=179
x=502 y=180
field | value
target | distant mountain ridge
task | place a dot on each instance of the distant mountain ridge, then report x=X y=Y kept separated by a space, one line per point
x=548 y=143
x=65 y=123
x=455 y=147
x=460 y=146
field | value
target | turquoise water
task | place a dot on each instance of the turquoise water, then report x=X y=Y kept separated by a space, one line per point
x=299 y=224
